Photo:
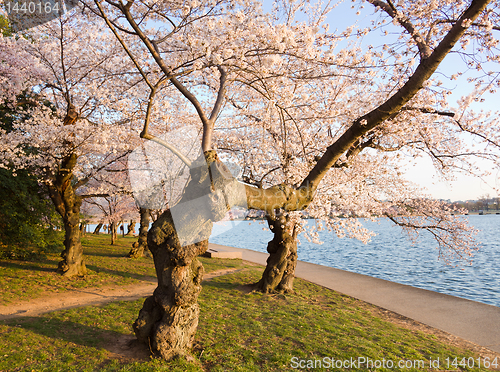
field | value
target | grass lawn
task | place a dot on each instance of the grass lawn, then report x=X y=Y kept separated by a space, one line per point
x=239 y=330
x=106 y=264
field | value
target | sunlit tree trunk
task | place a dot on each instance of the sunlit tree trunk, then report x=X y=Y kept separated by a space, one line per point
x=112 y=231
x=98 y=228
x=279 y=273
x=139 y=248
x=130 y=228
x=83 y=228
x=68 y=204
x=169 y=319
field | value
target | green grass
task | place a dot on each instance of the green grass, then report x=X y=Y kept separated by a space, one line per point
x=238 y=331
x=107 y=266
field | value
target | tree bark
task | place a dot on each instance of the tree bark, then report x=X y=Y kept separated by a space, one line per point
x=83 y=228
x=130 y=228
x=140 y=247
x=279 y=273
x=67 y=204
x=112 y=231
x=169 y=319
x=98 y=228
x=72 y=263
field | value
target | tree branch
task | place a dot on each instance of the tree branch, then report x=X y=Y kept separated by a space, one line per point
x=279 y=196
x=122 y=42
x=391 y=10
x=220 y=95
x=462 y=127
x=396 y=102
x=475 y=24
x=172 y=148
x=86 y=179
x=425 y=110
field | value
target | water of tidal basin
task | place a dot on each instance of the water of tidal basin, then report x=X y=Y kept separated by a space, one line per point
x=391 y=256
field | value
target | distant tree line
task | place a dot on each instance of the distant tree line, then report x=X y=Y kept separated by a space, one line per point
x=485 y=203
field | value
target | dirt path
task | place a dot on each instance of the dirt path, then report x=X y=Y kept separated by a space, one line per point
x=86 y=297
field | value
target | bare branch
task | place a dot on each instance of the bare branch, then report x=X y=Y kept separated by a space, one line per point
x=220 y=95
x=475 y=24
x=152 y=94
x=122 y=42
x=391 y=10
x=86 y=179
x=425 y=110
x=475 y=133
x=87 y=196
x=191 y=98
x=172 y=148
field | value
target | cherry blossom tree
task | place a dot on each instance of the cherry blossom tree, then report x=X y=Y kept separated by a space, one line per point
x=77 y=125
x=110 y=199
x=113 y=208
x=318 y=120
x=109 y=196
x=424 y=127
x=18 y=70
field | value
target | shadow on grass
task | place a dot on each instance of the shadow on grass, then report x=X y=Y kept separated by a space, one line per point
x=30 y=266
x=123 y=274
x=222 y=285
x=105 y=254
x=121 y=345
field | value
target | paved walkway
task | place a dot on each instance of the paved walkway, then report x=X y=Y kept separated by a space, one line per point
x=470 y=320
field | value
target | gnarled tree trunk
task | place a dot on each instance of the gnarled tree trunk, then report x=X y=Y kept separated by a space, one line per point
x=67 y=204
x=98 y=228
x=130 y=228
x=169 y=319
x=279 y=273
x=140 y=247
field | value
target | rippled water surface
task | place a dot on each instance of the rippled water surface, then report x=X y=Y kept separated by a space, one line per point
x=391 y=256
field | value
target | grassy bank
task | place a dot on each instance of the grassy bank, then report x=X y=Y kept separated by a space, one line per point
x=239 y=330
x=107 y=266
